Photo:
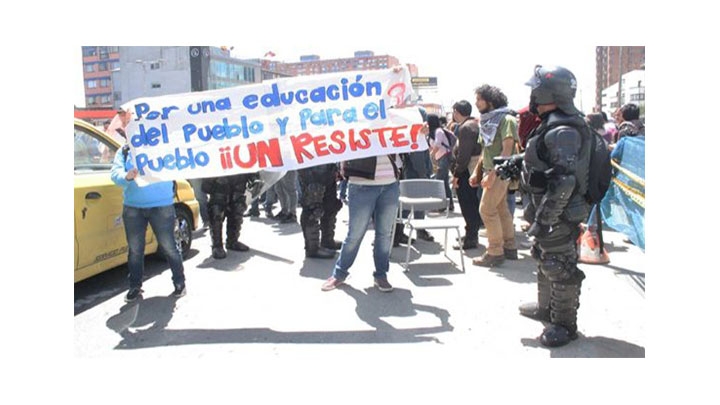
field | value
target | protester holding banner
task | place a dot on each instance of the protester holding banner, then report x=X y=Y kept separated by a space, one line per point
x=151 y=204
x=275 y=126
x=373 y=195
x=227 y=201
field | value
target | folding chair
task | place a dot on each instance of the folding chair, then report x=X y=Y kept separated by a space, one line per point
x=426 y=195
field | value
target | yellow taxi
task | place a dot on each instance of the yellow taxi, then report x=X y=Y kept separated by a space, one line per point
x=100 y=242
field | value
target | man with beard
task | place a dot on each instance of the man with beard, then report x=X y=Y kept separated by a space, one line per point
x=498 y=131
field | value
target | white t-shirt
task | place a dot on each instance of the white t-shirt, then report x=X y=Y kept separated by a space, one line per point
x=384 y=174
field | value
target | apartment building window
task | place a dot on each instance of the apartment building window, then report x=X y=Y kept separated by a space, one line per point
x=102 y=67
x=89 y=51
x=155 y=85
x=90 y=67
x=155 y=66
x=91 y=84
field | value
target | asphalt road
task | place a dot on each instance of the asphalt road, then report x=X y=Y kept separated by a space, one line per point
x=270 y=298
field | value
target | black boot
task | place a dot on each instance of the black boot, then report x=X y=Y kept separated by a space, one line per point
x=331 y=244
x=328 y=238
x=216 y=237
x=234 y=224
x=468 y=242
x=311 y=232
x=319 y=253
x=218 y=252
x=564 y=303
x=400 y=236
x=327 y=226
x=540 y=310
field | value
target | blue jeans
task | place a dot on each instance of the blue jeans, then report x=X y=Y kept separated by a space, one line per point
x=343 y=189
x=162 y=221
x=369 y=203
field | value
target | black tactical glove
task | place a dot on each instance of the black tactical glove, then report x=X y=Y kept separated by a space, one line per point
x=508 y=167
x=538 y=230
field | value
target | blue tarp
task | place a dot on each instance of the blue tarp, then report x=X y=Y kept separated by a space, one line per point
x=623 y=208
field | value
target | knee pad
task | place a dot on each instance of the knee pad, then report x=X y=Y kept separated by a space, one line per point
x=216 y=212
x=556 y=267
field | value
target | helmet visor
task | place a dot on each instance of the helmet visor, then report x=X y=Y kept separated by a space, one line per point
x=535 y=81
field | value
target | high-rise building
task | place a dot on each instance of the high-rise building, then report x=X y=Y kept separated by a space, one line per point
x=633 y=91
x=613 y=61
x=313 y=64
x=116 y=75
x=98 y=64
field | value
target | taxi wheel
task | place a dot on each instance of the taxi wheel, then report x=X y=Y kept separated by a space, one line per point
x=183 y=231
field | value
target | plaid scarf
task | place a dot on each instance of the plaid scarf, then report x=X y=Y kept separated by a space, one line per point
x=489 y=123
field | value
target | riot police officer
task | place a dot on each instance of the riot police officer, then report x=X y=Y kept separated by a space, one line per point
x=555 y=176
x=227 y=201
x=320 y=206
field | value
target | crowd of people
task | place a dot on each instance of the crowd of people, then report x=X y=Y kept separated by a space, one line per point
x=546 y=138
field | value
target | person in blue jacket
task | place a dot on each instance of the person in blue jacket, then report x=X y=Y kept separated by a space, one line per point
x=151 y=204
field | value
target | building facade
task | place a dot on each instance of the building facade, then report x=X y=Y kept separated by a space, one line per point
x=633 y=91
x=116 y=75
x=98 y=64
x=613 y=61
x=313 y=65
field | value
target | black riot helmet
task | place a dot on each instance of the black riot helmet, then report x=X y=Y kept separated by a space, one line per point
x=553 y=84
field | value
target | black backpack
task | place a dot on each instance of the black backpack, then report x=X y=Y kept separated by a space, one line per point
x=600 y=169
x=452 y=139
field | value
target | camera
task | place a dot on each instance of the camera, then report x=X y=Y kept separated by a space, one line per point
x=508 y=167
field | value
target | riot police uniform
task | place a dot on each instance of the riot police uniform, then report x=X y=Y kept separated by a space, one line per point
x=320 y=206
x=226 y=200
x=555 y=176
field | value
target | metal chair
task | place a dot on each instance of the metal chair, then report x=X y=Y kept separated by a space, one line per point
x=426 y=195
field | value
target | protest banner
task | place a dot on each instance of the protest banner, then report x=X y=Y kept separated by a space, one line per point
x=278 y=125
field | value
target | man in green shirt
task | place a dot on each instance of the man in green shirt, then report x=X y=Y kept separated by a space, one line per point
x=498 y=132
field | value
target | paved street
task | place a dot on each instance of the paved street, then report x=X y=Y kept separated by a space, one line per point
x=259 y=318
x=267 y=302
